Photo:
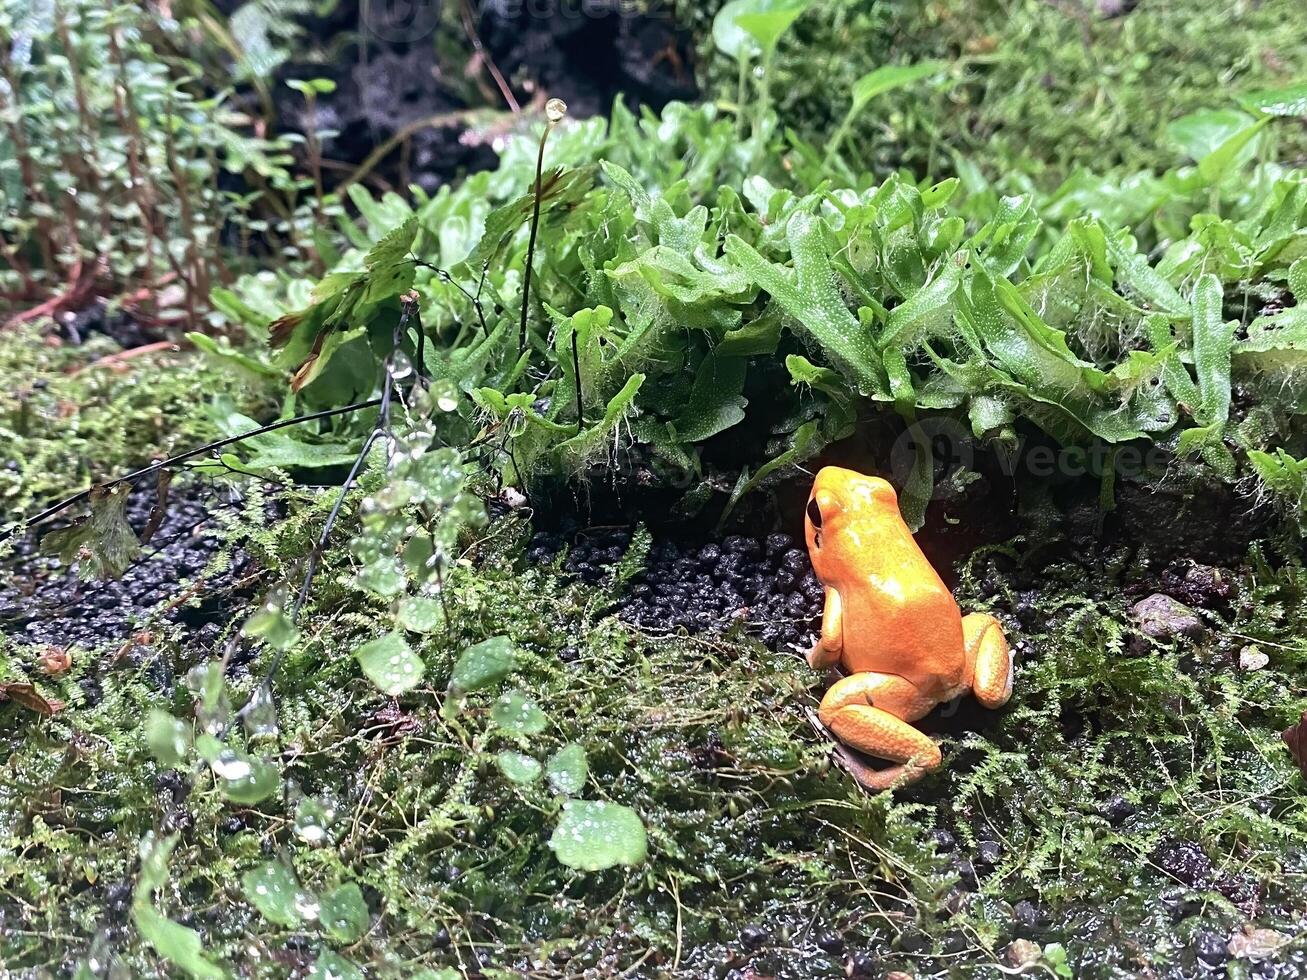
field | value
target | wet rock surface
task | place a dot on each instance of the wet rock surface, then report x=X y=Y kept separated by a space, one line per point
x=44 y=602
x=1164 y=619
x=392 y=81
x=116 y=324
x=589 y=53
x=763 y=585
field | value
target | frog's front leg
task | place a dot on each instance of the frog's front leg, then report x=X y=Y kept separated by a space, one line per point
x=870 y=712
x=828 y=649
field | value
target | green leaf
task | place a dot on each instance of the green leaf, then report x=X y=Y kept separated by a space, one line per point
x=1054 y=955
x=809 y=295
x=518 y=768
x=104 y=544
x=394 y=246
x=390 y=663
x=927 y=307
x=257 y=784
x=344 y=913
x=173 y=942
x=920 y=482
x=1212 y=339
x=594 y=836
x=1289 y=100
x=767 y=20
x=389 y=280
x=716 y=401
x=560 y=189
x=568 y=770
x=1200 y=133
x=573 y=452
x=803 y=443
x=169 y=738
x=272 y=889
x=886 y=78
x=224 y=353
x=516 y=713
x=1284 y=475
x=313 y=86
x=484 y=664
x=1222 y=161
x=420 y=614
x=271 y=623
x=283 y=451
x=731 y=39
x=1134 y=272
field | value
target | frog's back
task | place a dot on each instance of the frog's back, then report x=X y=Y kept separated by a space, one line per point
x=906 y=623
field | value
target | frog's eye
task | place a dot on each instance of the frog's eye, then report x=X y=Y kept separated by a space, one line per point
x=814 y=514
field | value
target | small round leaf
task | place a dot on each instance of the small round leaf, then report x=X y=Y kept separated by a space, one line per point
x=567 y=770
x=483 y=664
x=516 y=713
x=594 y=835
x=390 y=664
x=518 y=768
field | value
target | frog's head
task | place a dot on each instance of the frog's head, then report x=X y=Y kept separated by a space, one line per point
x=847 y=514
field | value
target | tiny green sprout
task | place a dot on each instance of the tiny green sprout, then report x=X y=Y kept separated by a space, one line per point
x=312 y=87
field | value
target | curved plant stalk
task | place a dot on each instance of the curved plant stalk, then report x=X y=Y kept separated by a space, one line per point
x=379 y=430
x=177 y=460
x=555 y=110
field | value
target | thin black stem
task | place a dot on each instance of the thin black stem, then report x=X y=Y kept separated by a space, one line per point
x=531 y=243
x=576 y=372
x=446 y=277
x=182 y=458
x=476 y=300
x=382 y=428
x=421 y=361
x=320 y=545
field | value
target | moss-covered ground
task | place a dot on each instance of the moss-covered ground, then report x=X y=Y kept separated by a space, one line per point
x=1132 y=811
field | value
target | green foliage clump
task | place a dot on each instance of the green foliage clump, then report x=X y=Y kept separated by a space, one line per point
x=67 y=421
x=1040 y=88
x=671 y=288
x=413 y=832
x=112 y=158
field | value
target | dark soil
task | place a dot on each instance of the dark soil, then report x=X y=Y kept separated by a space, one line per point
x=389 y=72
x=45 y=603
x=589 y=53
x=98 y=319
x=763 y=586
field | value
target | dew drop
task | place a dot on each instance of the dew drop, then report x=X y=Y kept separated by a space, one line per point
x=398 y=365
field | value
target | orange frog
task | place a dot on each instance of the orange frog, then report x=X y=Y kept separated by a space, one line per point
x=891 y=623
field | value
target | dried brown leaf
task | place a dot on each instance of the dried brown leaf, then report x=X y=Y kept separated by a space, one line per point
x=26 y=694
x=1295 y=737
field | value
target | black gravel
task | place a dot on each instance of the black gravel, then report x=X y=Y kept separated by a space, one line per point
x=116 y=324
x=44 y=602
x=763 y=585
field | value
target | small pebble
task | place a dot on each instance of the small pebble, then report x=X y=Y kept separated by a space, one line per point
x=831 y=942
x=1117 y=809
x=1210 y=947
x=1027 y=914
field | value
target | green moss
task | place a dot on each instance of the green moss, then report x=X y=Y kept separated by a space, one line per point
x=708 y=740
x=69 y=417
x=1044 y=88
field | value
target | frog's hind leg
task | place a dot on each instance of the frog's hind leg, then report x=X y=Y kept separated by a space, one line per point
x=870 y=712
x=987 y=649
